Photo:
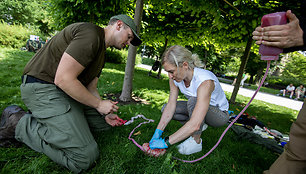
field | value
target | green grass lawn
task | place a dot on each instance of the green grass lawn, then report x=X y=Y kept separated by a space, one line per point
x=120 y=155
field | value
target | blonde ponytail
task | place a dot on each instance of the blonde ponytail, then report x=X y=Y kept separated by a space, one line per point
x=196 y=61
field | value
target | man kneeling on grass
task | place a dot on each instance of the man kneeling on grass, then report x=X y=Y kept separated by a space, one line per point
x=59 y=87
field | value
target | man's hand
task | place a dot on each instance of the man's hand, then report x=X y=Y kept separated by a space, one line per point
x=158 y=144
x=113 y=120
x=282 y=36
x=107 y=106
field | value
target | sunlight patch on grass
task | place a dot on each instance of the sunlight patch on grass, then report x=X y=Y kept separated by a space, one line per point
x=113 y=71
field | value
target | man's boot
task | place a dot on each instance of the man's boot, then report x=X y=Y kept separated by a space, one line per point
x=9 y=119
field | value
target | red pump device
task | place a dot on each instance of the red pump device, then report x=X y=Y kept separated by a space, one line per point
x=267 y=52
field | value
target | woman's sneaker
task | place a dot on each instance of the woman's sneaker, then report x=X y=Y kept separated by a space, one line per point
x=189 y=146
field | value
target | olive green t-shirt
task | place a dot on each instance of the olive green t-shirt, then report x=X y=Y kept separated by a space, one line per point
x=83 y=41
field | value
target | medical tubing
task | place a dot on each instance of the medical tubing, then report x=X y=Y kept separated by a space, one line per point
x=221 y=137
x=230 y=125
x=132 y=120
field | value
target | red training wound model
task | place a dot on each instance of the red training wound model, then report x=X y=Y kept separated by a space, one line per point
x=155 y=152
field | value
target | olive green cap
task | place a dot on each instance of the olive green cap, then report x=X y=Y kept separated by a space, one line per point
x=129 y=22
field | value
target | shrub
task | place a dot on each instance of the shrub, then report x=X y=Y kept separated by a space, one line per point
x=148 y=61
x=114 y=56
x=15 y=36
x=282 y=81
x=119 y=57
x=295 y=67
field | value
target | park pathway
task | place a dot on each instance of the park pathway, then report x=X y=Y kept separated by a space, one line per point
x=269 y=98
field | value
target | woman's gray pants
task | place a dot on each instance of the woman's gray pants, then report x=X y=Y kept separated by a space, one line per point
x=214 y=116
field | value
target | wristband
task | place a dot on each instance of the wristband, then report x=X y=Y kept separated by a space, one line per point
x=167 y=141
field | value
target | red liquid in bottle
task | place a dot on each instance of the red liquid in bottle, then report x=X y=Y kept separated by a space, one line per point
x=267 y=52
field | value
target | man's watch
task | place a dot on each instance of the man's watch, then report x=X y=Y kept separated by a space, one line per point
x=167 y=141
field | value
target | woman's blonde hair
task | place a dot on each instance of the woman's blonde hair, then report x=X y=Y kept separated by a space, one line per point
x=176 y=55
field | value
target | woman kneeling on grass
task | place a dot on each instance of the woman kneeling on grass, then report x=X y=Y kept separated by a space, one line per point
x=206 y=105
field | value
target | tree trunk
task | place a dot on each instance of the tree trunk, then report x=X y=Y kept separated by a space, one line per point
x=244 y=60
x=127 y=87
x=160 y=57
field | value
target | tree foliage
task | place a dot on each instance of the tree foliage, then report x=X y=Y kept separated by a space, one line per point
x=66 y=12
x=197 y=21
x=296 y=67
x=19 y=12
x=25 y=12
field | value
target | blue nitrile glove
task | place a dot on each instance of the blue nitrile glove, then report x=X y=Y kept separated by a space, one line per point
x=157 y=134
x=158 y=144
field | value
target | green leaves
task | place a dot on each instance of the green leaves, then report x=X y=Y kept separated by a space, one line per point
x=66 y=12
x=294 y=68
x=25 y=12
